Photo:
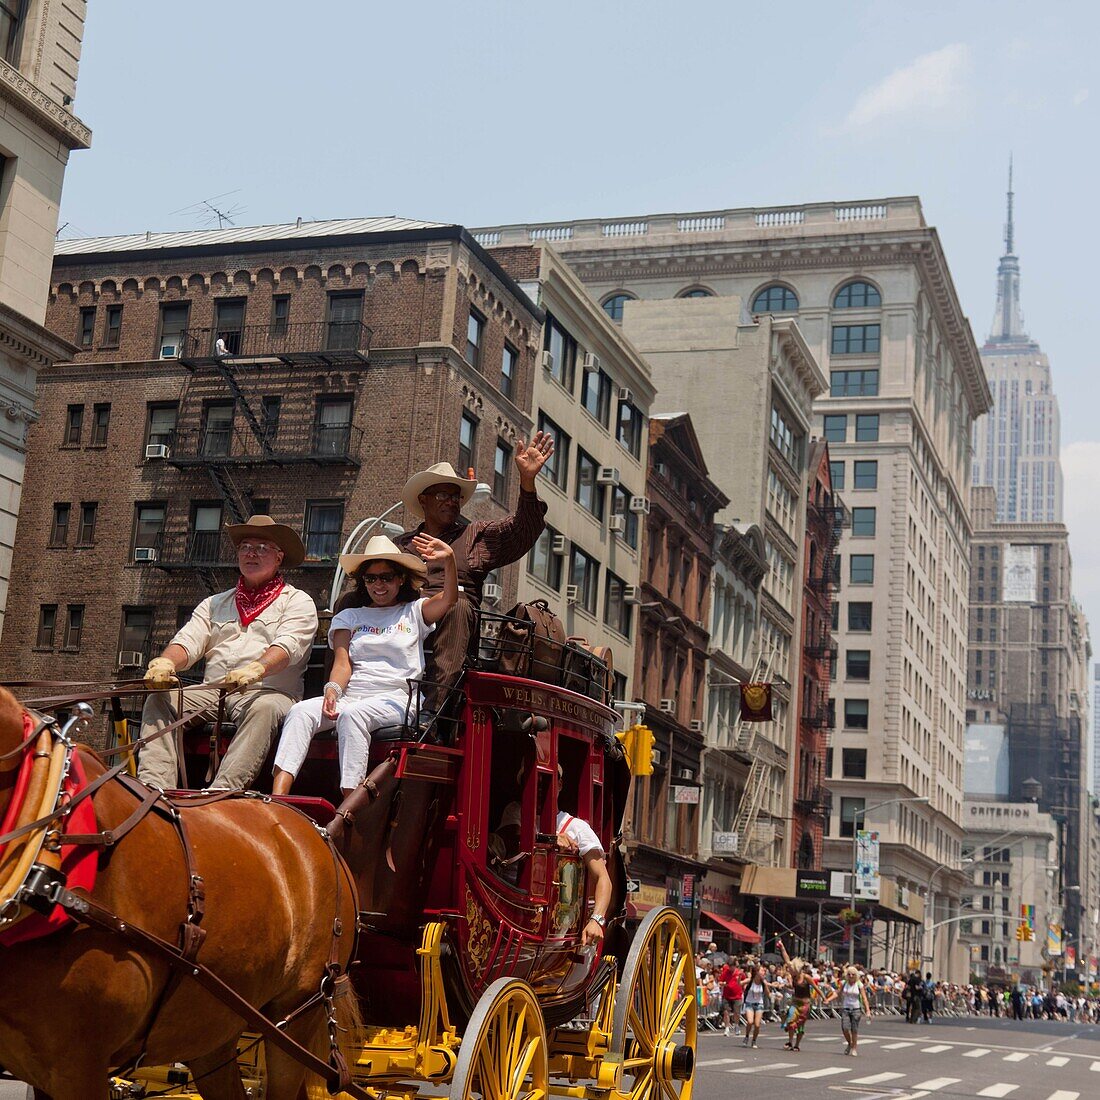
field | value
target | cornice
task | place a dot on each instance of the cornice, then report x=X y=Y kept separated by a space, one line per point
x=29 y=98
x=31 y=341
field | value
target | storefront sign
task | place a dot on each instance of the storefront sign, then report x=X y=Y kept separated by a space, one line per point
x=685 y=796
x=725 y=842
x=705 y=935
x=650 y=895
x=812 y=884
x=687 y=892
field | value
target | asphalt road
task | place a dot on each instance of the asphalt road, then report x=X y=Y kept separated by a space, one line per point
x=1022 y=1060
x=998 y=1058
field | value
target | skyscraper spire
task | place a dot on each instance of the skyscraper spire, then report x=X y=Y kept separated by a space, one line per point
x=1008 y=324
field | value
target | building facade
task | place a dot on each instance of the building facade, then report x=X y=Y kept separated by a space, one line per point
x=40 y=43
x=1027 y=680
x=592 y=392
x=870 y=289
x=303 y=371
x=670 y=672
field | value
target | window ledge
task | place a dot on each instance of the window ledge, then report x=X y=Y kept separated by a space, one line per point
x=42 y=649
x=57 y=546
x=96 y=446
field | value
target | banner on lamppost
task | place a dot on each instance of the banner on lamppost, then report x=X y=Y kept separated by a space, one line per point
x=867 y=864
x=1071 y=958
x=1054 y=939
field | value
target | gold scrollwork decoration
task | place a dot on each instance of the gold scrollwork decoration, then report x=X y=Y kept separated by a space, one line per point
x=479 y=935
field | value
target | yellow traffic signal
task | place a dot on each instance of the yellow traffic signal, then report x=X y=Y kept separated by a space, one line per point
x=637 y=742
x=627 y=739
x=1021 y=931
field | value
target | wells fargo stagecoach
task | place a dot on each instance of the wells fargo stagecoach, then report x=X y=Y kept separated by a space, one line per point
x=170 y=945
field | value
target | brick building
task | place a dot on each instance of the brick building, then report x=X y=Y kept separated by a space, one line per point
x=670 y=673
x=824 y=516
x=352 y=353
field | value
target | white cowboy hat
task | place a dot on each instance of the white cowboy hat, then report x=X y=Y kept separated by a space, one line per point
x=383 y=548
x=265 y=528
x=442 y=473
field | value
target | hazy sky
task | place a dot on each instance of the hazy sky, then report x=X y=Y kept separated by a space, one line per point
x=492 y=112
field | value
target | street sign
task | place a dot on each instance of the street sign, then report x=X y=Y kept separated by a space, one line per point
x=706 y=934
x=633 y=886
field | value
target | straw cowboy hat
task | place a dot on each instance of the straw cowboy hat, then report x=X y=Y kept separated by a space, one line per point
x=383 y=548
x=264 y=527
x=442 y=473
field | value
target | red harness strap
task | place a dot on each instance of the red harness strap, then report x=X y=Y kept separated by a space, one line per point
x=79 y=863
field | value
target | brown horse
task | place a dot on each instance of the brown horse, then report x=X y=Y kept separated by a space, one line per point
x=80 y=1002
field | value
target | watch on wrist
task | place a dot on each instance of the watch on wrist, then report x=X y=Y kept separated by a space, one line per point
x=601 y=921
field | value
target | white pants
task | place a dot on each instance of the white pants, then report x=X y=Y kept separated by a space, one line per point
x=355 y=720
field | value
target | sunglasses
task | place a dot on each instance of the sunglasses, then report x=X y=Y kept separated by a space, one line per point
x=442 y=494
x=379 y=578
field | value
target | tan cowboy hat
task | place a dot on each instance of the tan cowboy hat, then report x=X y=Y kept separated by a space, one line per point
x=383 y=548
x=442 y=473
x=264 y=527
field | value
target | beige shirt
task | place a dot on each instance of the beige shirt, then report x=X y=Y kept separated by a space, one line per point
x=214 y=631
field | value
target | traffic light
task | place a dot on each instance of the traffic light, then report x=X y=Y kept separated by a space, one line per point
x=1021 y=931
x=637 y=742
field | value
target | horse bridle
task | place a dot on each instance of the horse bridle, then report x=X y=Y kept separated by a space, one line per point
x=44 y=888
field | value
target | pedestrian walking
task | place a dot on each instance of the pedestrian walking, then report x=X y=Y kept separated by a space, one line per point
x=927 y=998
x=853 y=1003
x=757 y=989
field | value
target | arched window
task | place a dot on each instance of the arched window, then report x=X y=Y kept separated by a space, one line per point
x=775 y=299
x=695 y=292
x=857 y=296
x=613 y=306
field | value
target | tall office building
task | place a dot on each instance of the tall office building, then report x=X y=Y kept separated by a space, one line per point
x=869 y=288
x=1096 y=731
x=1016 y=447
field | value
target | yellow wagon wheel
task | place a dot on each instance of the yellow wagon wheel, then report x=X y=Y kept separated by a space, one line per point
x=655 y=1026
x=503 y=1051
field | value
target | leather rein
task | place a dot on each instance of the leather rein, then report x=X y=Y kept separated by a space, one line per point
x=45 y=887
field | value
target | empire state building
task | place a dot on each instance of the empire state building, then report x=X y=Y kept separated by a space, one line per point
x=1016 y=446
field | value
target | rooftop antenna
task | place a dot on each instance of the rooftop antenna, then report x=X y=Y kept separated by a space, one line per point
x=212 y=209
x=61 y=229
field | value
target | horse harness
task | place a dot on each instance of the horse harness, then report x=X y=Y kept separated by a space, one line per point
x=45 y=888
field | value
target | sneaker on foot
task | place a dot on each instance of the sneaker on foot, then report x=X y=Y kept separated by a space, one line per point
x=727 y=1033
x=754 y=1046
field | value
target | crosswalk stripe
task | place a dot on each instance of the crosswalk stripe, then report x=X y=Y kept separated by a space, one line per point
x=937 y=1049
x=828 y=1071
x=998 y=1090
x=720 y=1061
x=1095 y=1067
x=896 y=1046
x=937 y=1083
x=1017 y=1056
x=763 y=1069
x=1057 y=1061
x=876 y=1078
x=977 y=1052
x=1063 y=1094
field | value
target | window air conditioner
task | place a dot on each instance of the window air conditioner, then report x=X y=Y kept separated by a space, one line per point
x=630 y=594
x=169 y=351
x=559 y=545
x=626 y=395
x=696 y=725
x=639 y=506
x=156 y=450
x=617 y=524
x=591 y=361
x=547 y=360
x=668 y=706
x=491 y=592
x=607 y=475
x=658 y=757
x=572 y=593
x=145 y=553
x=129 y=658
x=685 y=773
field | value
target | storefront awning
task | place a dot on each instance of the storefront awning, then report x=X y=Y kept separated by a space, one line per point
x=735 y=928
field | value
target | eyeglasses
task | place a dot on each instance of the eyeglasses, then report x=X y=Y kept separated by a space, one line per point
x=258 y=548
x=379 y=578
x=442 y=494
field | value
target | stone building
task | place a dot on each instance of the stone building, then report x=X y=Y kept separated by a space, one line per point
x=1027 y=682
x=40 y=42
x=670 y=672
x=868 y=286
x=592 y=392
x=352 y=353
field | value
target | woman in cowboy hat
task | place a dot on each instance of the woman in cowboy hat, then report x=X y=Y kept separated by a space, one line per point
x=379 y=647
x=255 y=638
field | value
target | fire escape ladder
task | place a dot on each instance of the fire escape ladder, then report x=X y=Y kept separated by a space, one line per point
x=227 y=372
x=236 y=502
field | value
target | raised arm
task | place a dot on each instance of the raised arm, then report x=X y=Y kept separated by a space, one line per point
x=436 y=550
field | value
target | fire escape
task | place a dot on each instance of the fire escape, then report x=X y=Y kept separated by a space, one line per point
x=232 y=420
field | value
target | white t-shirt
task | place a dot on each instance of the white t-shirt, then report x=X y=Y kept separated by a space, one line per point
x=580 y=832
x=386 y=647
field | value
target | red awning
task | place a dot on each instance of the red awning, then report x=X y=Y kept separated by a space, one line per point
x=735 y=928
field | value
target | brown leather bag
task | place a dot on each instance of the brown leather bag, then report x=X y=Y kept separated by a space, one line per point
x=531 y=642
x=588 y=669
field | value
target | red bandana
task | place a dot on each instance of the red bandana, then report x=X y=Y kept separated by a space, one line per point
x=252 y=602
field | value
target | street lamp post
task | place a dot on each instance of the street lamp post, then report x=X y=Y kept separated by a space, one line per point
x=861 y=815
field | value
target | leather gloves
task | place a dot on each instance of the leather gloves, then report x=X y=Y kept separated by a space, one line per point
x=161 y=673
x=246 y=675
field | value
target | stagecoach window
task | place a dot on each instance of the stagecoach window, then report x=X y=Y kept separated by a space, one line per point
x=324 y=521
x=584 y=572
x=542 y=562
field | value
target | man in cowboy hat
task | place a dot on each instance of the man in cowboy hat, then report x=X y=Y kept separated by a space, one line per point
x=255 y=638
x=437 y=495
